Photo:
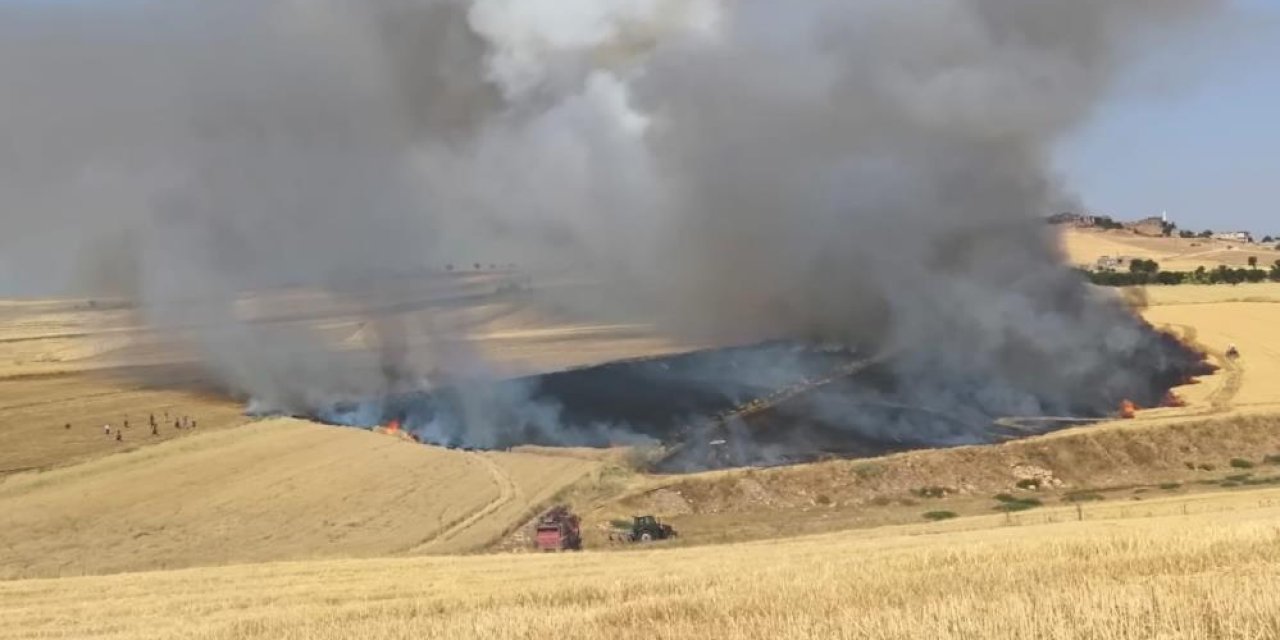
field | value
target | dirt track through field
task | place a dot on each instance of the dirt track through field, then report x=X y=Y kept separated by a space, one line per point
x=276 y=490
x=508 y=492
x=1244 y=384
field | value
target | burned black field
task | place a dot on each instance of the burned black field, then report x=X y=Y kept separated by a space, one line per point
x=766 y=404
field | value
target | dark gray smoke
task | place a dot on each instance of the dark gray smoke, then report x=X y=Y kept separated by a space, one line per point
x=865 y=171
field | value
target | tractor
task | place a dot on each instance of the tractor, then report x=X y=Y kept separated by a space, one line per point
x=648 y=529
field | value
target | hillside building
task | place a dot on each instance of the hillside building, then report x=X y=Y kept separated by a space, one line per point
x=1082 y=220
x=1234 y=236
x=1153 y=226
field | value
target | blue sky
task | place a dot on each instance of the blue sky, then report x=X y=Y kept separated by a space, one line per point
x=1194 y=129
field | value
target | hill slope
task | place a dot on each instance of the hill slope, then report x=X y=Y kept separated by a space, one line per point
x=1231 y=414
x=1083 y=247
x=273 y=490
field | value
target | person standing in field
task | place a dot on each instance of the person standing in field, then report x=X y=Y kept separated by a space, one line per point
x=106 y=429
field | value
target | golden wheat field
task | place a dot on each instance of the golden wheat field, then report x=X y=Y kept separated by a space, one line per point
x=77 y=500
x=273 y=490
x=286 y=529
x=1202 y=575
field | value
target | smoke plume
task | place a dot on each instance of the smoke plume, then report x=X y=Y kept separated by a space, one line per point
x=862 y=171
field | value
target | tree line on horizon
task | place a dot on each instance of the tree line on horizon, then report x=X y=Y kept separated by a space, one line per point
x=1143 y=272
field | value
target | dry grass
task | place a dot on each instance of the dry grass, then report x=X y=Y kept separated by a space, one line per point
x=1084 y=247
x=1232 y=413
x=65 y=361
x=1183 y=294
x=34 y=411
x=1254 y=327
x=1195 y=576
x=58 y=337
x=745 y=504
x=268 y=491
x=1195 y=565
x=526 y=482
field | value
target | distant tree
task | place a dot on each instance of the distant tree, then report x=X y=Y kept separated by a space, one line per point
x=1275 y=272
x=1207 y=233
x=448 y=267
x=1139 y=265
x=1253 y=262
x=1105 y=222
x=1267 y=240
x=477 y=266
x=1186 y=233
x=1200 y=275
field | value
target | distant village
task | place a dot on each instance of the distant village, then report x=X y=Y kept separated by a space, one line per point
x=1155 y=227
x=1126 y=271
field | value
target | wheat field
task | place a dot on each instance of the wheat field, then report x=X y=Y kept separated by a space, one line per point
x=273 y=490
x=1205 y=575
x=338 y=520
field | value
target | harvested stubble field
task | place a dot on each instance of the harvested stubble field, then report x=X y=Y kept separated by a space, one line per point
x=1197 y=562
x=79 y=501
x=274 y=490
x=68 y=368
x=1084 y=246
x=1204 y=575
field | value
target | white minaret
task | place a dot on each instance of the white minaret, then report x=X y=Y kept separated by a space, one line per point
x=1164 y=217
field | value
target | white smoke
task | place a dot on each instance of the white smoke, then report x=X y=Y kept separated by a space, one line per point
x=866 y=171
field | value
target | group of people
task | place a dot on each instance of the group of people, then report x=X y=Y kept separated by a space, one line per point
x=179 y=422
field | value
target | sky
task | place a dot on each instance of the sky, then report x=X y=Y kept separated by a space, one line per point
x=1194 y=130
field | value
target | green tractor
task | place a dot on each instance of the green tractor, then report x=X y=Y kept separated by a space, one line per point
x=648 y=529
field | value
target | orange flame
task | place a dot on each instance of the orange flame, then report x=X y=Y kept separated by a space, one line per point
x=1127 y=409
x=393 y=427
x=1172 y=399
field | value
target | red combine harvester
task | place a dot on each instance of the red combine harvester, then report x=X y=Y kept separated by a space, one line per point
x=558 y=530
